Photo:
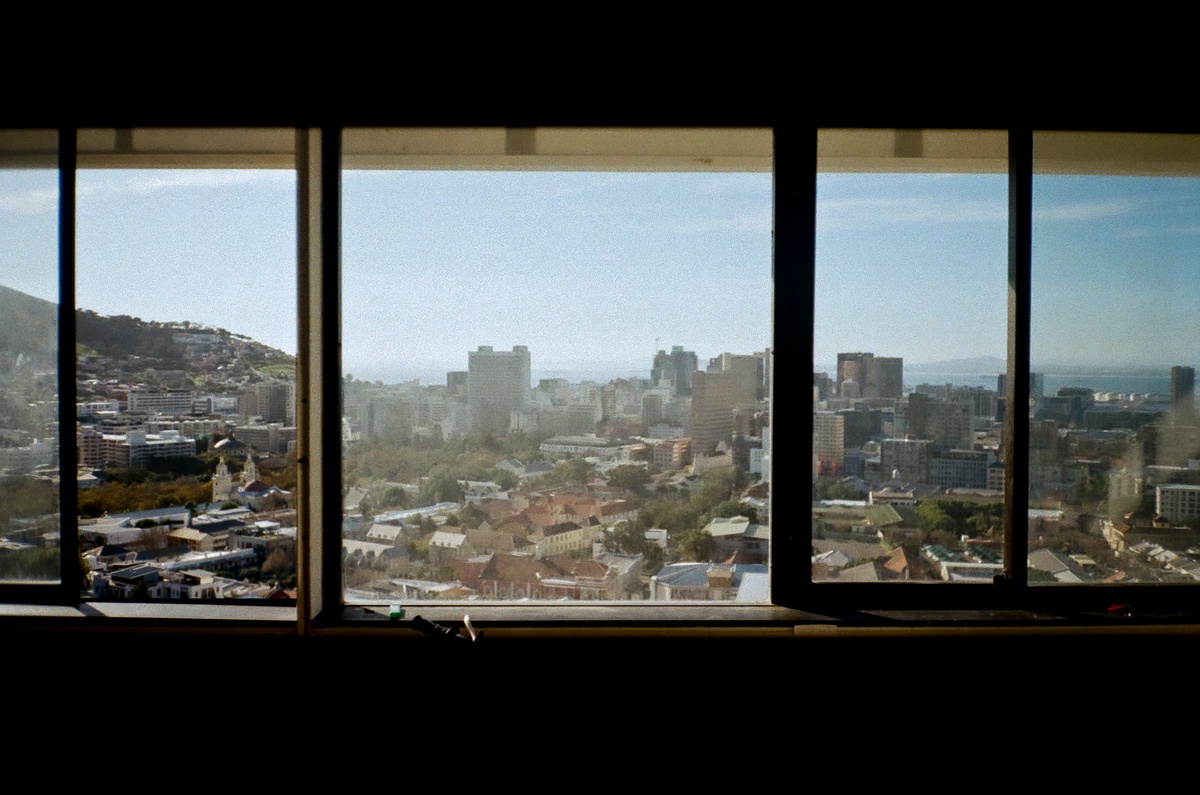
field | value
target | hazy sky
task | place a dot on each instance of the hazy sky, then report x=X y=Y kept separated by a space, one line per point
x=911 y=265
x=916 y=266
x=583 y=268
x=1116 y=276
x=587 y=268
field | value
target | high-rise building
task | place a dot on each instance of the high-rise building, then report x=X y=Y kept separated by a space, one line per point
x=456 y=383
x=829 y=441
x=870 y=376
x=270 y=401
x=1183 y=389
x=652 y=409
x=885 y=377
x=747 y=371
x=716 y=393
x=675 y=369
x=497 y=383
x=909 y=460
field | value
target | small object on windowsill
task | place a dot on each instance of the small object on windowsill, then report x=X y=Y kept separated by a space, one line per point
x=395 y=612
x=438 y=631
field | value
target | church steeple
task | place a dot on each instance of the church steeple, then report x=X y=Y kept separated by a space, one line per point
x=250 y=472
x=222 y=483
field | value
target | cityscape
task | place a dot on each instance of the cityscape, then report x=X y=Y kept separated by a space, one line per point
x=548 y=450
x=909 y=485
x=485 y=487
x=492 y=486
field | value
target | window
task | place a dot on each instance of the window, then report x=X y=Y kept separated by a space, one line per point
x=328 y=202
x=186 y=388
x=910 y=335
x=1114 y=448
x=520 y=421
x=30 y=549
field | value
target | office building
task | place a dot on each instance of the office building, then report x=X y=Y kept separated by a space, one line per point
x=715 y=395
x=497 y=383
x=829 y=441
x=870 y=376
x=269 y=401
x=1183 y=389
x=675 y=369
x=908 y=460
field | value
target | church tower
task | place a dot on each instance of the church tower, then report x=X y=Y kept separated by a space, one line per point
x=222 y=483
x=250 y=472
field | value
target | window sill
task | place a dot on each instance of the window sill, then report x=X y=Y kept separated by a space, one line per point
x=148 y=615
x=742 y=621
x=580 y=621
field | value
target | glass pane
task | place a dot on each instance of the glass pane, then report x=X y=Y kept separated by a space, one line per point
x=29 y=475
x=555 y=384
x=910 y=339
x=1114 y=458
x=186 y=288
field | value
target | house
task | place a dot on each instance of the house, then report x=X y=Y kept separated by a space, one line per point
x=737 y=535
x=701 y=581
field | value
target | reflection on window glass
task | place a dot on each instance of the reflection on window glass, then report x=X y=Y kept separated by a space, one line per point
x=555 y=385
x=1114 y=458
x=29 y=527
x=186 y=295
x=908 y=363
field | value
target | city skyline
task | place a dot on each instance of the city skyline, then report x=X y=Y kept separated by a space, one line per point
x=622 y=265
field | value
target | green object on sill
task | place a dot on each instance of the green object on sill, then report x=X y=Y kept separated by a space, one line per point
x=395 y=612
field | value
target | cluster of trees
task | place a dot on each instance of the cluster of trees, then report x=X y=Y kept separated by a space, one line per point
x=162 y=469
x=945 y=521
x=115 y=497
x=26 y=496
x=176 y=480
x=474 y=458
x=121 y=336
x=684 y=518
x=832 y=488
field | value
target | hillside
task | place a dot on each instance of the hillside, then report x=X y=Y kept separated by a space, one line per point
x=28 y=327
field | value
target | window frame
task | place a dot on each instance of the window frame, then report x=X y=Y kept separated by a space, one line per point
x=796 y=599
x=65 y=591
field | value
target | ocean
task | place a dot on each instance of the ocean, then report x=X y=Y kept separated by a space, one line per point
x=1124 y=383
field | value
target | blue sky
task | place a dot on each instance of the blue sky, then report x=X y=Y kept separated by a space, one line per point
x=1116 y=276
x=596 y=269
x=582 y=267
x=585 y=268
x=911 y=265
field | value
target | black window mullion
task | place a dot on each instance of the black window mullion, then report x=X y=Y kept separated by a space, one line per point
x=331 y=359
x=68 y=498
x=794 y=273
x=1016 y=415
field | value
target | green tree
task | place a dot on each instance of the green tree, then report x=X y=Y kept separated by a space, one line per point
x=394 y=497
x=934 y=517
x=729 y=508
x=472 y=515
x=628 y=538
x=695 y=545
x=442 y=486
x=629 y=476
x=574 y=471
